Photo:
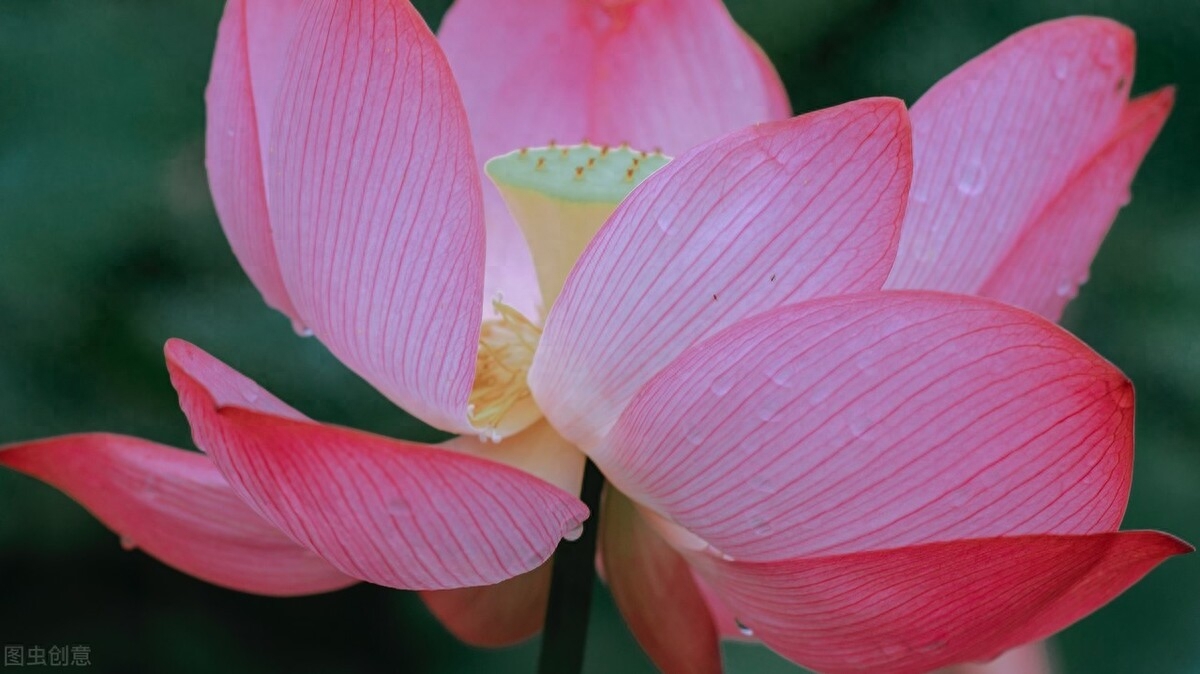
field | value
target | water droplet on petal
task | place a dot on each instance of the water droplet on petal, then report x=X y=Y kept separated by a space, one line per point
x=127 y=544
x=722 y=384
x=1066 y=289
x=665 y=224
x=301 y=329
x=1125 y=198
x=972 y=178
x=399 y=505
x=746 y=631
x=1062 y=68
x=574 y=534
x=250 y=395
x=762 y=484
x=696 y=435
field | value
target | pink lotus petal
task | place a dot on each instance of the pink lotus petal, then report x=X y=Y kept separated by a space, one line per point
x=390 y=512
x=999 y=138
x=913 y=609
x=668 y=74
x=770 y=215
x=653 y=587
x=250 y=47
x=1050 y=260
x=176 y=506
x=1027 y=659
x=493 y=616
x=376 y=205
x=879 y=420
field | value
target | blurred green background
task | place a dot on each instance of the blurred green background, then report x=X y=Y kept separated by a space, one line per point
x=109 y=245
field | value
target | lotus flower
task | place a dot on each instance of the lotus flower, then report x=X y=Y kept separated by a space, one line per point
x=806 y=441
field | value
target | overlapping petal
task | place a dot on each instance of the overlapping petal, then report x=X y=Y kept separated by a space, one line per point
x=880 y=420
x=1028 y=659
x=376 y=205
x=247 y=63
x=667 y=74
x=913 y=609
x=493 y=616
x=653 y=587
x=1050 y=260
x=996 y=141
x=390 y=512
x=773 y=214
x=176 y=506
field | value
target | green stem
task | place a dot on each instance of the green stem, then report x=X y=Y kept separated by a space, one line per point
x=571 y=580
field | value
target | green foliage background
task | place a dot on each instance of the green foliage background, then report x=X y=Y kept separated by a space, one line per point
x=109 y=245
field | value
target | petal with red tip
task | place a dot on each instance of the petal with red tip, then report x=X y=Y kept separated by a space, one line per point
x=999 y=138
x=770 y=215
x=879 y=420
x=376 y=204
x=251 y=44
x=390 y=512
x=493 y=616
x=667 y=74
x=913 y=609
x=175 y=505
x=1050 y=260
x=653 y=587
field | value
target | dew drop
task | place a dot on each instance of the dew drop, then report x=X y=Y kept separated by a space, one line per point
x=761 y=527
x=1062 y=68
x=301 y=329
x=920 y=194
x=250 y=395
x=574 y=534
x=399 y=505
x=762 y=484
x=665 y=224
x=722 y=384
x=746 y=631
x=127 y=544
x=696 y=435
x=858 y=427
x=971 y=178
x=1125 y=198
x=1066 y=289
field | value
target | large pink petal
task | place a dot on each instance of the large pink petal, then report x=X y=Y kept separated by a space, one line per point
x=912 y=609
x=241 y=89
x=653 y=587
x=390 y=512
x=497 y=615
x=1050 y=260
x=376 y=204
x=879 y=420
x=176 y=506
x=997 y=140
x=774 y=214
x=667 y=74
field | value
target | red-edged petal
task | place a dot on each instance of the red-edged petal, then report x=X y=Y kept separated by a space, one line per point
x=175 y=505
x=773 y=214
x=996 y=141
x=877 y=421
x=653 y=587
x=390 y=512
x=1050 y=260
x=913 y=609
x=1027 y=659
x=251 y=43
x=376 y=204
x=492 y=616
x=667 y=74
